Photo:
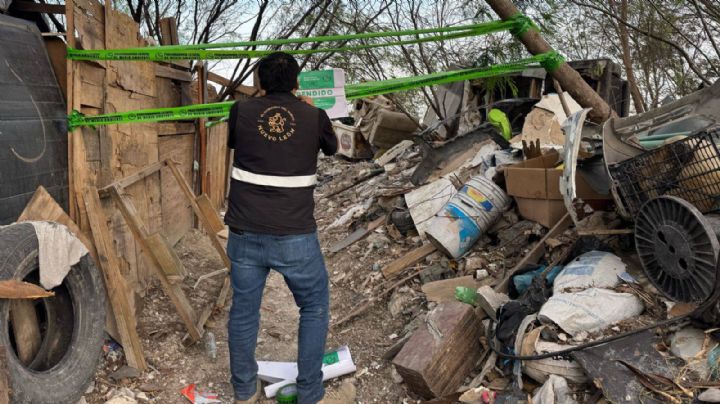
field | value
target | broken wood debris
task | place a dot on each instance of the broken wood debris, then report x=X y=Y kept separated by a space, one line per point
x=15 y=289
x=439 y=355
x=117 y=288
x=411 y=258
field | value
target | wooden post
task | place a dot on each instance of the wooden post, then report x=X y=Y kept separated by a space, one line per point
x=70 y=29
x=202 y=130
x=117 y=288
x=569 y=79
x=168 y=31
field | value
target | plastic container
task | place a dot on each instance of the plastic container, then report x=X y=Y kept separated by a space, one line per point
x=466 y=295
x=210 y=345
x=287 y=394
x=467 y=215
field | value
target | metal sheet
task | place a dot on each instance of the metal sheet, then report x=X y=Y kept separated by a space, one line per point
x=573 y=136
x=33 y=131
x=618 y=383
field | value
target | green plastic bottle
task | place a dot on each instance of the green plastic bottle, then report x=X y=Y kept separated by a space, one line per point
x=466 y=295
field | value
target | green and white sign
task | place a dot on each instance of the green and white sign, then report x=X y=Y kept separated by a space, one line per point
x=327 y=89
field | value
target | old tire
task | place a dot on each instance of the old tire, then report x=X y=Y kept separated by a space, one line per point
x=71 y=323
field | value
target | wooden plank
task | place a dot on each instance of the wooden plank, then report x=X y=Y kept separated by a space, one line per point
x=212 y=215
x=166 y=257
x=444 y=290
x=42 y=206
x=26 y=330
x=70 y=80
x=242 y=89
x=537 y=252
x=57 y=52
x=216 y=170
x=174 y=128
x=604 y=232
x=15 y=289
x=131 y=179
x=4 y=377
x=198 y=212
x=174 y=292
x=117 y=288
x=202 y=129
x=357 y=235
x=32 y=7
x=172 y=73
x=411 y=258
x=168 y=31
x=177 y=215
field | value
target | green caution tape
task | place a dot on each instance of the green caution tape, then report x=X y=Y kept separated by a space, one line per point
x=213 y=51
x=352 y=91
x=159 y=53
x=552 y=61
x=219 y=109
x=521 y=24
x=287 y=394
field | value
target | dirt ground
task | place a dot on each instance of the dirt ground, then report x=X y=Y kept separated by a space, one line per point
x=353 y=273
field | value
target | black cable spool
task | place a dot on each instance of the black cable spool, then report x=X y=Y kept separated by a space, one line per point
x=678 y=248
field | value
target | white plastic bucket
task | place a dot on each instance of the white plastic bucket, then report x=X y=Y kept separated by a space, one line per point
x=467 y=215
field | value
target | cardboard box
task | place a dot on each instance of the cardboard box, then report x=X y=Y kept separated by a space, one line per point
x=535 y=185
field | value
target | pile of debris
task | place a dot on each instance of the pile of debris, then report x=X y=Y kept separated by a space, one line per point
x=517 y=270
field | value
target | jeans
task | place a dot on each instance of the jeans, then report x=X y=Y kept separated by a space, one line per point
x=299 y=259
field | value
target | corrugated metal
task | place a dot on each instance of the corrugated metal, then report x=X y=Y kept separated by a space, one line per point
x=33 y=131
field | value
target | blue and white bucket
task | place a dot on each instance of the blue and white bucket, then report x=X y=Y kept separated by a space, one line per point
x=468 y=214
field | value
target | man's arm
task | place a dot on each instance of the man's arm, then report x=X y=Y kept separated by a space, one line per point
x=328 y=140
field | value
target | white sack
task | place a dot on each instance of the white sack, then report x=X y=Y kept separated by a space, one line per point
x=595 y=269
x=590 y=310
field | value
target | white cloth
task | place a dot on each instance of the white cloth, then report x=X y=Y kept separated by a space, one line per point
x=58 y=251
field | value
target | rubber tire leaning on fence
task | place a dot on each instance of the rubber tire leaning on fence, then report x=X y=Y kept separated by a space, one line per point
x=74 y=333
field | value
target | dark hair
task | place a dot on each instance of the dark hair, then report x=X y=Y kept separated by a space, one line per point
x=278 y=72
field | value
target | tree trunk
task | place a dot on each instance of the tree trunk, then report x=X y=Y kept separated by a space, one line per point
x=627 y=61
x=569 y=79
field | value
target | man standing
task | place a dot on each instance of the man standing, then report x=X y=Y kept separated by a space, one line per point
x=276 y=139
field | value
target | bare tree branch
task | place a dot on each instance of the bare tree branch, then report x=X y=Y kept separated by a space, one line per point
x=677 y=47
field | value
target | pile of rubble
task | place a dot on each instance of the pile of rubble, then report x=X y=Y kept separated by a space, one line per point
x=513 y=264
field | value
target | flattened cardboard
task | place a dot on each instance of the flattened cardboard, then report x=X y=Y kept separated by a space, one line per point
x=535 y=185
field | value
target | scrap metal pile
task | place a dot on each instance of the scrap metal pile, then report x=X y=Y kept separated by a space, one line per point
x=539 y=258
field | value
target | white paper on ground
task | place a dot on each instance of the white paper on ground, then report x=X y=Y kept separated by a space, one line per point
x=597 y=269
x=591 y=310
x=283 y=373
